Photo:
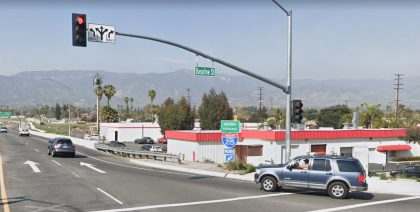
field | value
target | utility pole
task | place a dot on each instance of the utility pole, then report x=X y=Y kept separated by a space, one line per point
x=189 y=97
x=397 y=100
x=260 y=104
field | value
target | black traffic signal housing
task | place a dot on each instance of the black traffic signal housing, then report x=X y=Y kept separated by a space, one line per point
x=297 y=111
x=79 y=29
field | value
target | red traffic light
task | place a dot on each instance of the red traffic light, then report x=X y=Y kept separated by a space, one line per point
x=298 y=105
x=80 y=20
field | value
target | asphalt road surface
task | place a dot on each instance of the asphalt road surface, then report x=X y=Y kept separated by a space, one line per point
x=95 y=181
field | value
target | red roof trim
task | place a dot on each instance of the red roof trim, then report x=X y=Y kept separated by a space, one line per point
x=280 y=135
x=385 y=148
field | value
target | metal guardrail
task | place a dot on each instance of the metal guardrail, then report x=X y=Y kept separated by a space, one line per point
x=133 y=153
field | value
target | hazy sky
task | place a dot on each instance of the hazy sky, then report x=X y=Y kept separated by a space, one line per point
x=331 y=39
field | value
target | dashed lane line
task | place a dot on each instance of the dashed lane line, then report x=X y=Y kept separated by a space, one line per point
x=75 y=174
x=56 y=162
x=36 y=150
x=109 y=195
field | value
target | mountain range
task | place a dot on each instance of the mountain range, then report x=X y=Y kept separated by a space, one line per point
x=32 y=88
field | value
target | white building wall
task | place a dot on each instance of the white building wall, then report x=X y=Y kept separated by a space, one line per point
x=130 y=131
x=214 y=151
x=185 y=148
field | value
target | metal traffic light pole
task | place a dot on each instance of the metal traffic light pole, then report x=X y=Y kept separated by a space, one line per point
x=289 y=80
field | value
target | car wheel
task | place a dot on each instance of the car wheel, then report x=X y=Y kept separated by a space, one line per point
x=73 y=155
x=338 y=190
x=53 y=154
x=269 y=184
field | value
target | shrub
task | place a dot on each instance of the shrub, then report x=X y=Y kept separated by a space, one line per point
x=418 y=180
x=408 y=158
x=208 y=161
x=250 y=168
x=383 y=176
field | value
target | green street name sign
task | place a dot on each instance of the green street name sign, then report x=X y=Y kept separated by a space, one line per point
x=5 y=114
x=205 y=71
x=229 y=126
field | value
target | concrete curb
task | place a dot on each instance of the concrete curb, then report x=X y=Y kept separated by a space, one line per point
x=248 y=177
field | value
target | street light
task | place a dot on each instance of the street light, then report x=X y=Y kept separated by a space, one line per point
x=289 y=78
x=69 y=99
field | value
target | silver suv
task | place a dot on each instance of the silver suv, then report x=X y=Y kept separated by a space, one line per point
x=335 y=174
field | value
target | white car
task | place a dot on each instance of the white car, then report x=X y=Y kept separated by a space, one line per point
x=3 y=129
x=156 y=149
x=23 y=132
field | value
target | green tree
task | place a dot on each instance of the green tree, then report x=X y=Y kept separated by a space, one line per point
x=152 y=95
x=371 y=116
x=331 y=116
x=57 y=111
x=311 y=114
x=175 y=116
x=277 y=117
x=109 y=114
x=214 y=108
x=109 y=91
x=131 y=101
x=413 y=135
x=126 y=100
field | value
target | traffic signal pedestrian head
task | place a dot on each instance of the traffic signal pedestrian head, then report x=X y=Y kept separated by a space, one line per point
x=79 y=29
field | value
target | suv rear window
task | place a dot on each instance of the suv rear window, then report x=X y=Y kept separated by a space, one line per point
x=349 y=166
x=64 y=142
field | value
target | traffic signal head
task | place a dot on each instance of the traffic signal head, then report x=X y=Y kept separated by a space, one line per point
x=297 y=111
x=79 y=29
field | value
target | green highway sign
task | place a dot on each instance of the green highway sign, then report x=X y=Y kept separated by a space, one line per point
x=5 y=114
x=205 y=71
x=229 y=126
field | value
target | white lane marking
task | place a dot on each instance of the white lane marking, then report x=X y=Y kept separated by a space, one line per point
x=32 y=165
x=366 y=204
x=193 y=203
x=92 y=167
x=75 y=174
x=26 y=143
x=109 y=195
x=133 y=167
x=56 y=162
x=36 y=150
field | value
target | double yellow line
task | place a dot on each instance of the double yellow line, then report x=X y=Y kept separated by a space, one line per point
x=3 y=189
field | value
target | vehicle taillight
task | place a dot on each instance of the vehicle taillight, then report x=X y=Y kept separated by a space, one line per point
x=57 y=146
x=361 y=179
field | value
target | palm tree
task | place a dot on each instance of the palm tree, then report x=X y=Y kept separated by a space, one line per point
x=97 y=80
x=152 y=95
x=109 y=91
x=99 y=91
x=126 y=100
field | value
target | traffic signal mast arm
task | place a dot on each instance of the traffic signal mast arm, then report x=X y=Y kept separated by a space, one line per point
x=244 y=71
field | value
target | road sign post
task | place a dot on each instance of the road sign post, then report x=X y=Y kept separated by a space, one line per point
x=230 y=137
x=5 y=114
x=205 y=71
